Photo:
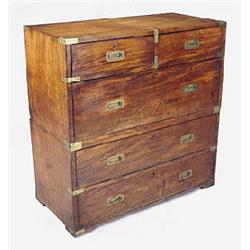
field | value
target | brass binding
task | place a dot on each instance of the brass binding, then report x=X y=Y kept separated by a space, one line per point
x=71 y=79
x=73 y=146
x=76 y=192
x=156 y=62
x=68 y=41
x=156 y=35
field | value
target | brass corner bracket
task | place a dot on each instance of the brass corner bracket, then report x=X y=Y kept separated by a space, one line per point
x=71 y=79
x=76 y=233
x=76 y=192
x=73 y=146
x=68 y=41
x=216 y=110
x=213 y=148
x=222 y=24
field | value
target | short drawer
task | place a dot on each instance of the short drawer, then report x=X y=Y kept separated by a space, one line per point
x=113 y=57
x=108 y=200
x=112 y=105
x=111 y=160
x=191 y=46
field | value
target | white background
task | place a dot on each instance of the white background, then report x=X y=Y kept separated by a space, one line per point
x=207 y=219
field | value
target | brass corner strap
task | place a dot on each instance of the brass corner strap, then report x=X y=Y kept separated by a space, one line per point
x=222 y=24
x=216 y=109
x=156 y=35
x=156 y=62
x=213 y=148
x=76 y=192
x=68 y=41
x=77 y=233
x=73 y=146
x=71 y=79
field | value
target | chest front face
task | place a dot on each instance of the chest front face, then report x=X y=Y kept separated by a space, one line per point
x=133 y=106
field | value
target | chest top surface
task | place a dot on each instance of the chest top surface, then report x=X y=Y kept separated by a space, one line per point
x=111 y=28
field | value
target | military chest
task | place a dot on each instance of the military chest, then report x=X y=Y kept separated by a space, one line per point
x=124 y=112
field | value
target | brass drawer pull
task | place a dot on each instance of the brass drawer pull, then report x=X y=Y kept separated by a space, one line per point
x=113 y=200
x=114 y=56
x=115 y=104
x=187 y=138
x=192 y=87
x=116 y=159
x=185 y=175
x=192 y=44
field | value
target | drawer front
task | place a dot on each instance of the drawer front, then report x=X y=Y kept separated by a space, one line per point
x=191 y=46
x=108 y=106
x=111 y=160
x=108 y=200
x=114 y=57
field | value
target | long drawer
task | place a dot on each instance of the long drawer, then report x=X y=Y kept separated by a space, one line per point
x=111 y=160
x=108 y=200
x=112 y=105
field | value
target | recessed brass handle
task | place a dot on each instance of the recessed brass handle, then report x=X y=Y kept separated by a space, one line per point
x=191 y=44
x=187 y=138
x=115 y=104
x=115 y=159
x=192 y=87
x=114 y=56
x=113 y=200
x=185 y=175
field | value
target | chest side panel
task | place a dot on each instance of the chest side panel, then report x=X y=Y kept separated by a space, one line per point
x=53 y=165
x=48 y=96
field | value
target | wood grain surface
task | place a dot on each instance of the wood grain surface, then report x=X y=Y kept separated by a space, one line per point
x=172 y=46
x=146 y=129
x=53 y=166
x=148 y=98
x=89 y=59
x=112 y=28
x=143 y=188
x=48 y=96
x=144 y=150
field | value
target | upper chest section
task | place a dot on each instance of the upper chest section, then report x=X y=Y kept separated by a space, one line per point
x=120 y=46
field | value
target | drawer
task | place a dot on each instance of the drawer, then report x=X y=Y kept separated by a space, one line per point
x=111 y=160
x=108 y=200
x=109 y=106
x=113 y=57
x=191 y=46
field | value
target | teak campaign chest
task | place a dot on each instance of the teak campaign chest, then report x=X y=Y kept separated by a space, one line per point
x=124 y=112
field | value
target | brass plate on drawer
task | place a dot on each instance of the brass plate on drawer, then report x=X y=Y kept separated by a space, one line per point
x=192 y=87
x=114 y=56
x=115 y=104
x=185 y=175
x=113 y=200
x=191 y=44
x=116 y=159
x=187 y=138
